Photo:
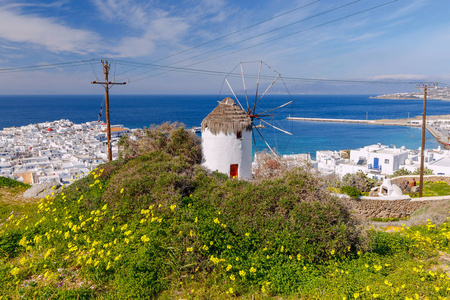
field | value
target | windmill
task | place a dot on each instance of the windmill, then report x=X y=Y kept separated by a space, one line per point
x=263 y=114
x=228 y=130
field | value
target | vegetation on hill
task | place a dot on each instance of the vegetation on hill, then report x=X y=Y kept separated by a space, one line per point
x=156 y=225
x=11 y=183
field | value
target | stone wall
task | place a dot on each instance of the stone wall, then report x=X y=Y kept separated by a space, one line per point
x=384 y=208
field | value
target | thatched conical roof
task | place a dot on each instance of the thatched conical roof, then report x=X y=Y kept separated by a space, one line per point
x=227 y=117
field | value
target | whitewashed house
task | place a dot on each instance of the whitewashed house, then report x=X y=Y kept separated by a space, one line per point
x=227 y=140
x=328 y=161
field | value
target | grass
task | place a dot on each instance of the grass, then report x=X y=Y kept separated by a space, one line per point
x=157 y=226
x=184 y=250
x=432 y=189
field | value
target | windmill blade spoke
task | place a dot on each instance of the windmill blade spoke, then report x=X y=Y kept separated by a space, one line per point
x=226 y=80
x=254 y=140
x=282 y=130
x=265 y=141
x=268 y=88
x=245 y=88
x=257 y=86
x=273 y=82
x=287 y=103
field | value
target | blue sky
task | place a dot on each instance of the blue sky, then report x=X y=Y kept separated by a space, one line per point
x=404 y=40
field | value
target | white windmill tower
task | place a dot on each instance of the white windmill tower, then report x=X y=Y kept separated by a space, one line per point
x=227 y=140
x=228 y=131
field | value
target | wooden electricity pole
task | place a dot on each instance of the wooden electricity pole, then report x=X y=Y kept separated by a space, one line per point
x=425 y=87
x=106 y=84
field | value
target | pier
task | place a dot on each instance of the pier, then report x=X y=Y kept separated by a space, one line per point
x=399 y=122
x=437 y=134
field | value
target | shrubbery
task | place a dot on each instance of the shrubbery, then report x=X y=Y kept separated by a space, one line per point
x=359 y=181
x=11 y=183
x=157 y=224
x=353 y=192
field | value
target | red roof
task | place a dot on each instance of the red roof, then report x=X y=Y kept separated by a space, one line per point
x=49 y=129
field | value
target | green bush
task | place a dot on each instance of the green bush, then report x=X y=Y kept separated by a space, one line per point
x=401 y=172
x=426 y=171
x=157 y=221
x=353 y=192
x=359 y=181
x=11 y=183
x=9 y=244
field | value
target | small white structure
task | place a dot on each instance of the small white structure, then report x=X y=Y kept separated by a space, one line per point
x=387 y=189
x=227 y=140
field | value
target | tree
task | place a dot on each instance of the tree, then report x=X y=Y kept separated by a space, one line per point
x=171 y=138
x=426 y=171
x=358 y=180
x=401 y=172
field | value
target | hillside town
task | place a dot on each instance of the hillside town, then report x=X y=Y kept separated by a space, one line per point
x=440 y=93
x=62 y=151
x=55 y=152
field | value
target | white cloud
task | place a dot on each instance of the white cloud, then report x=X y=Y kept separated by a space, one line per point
x=158 y=31
x=9 y=47
x=46 y=32
x=124 y=11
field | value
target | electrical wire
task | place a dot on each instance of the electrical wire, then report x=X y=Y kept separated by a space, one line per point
x=278 y=38
x=252 y=37
x=48 y=66
x=287 y=78
x=233 y=33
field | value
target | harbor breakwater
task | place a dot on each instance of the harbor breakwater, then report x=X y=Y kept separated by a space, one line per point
x=438 y=135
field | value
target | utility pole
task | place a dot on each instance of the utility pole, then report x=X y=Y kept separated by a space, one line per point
x=425 y=87
x=106 y=84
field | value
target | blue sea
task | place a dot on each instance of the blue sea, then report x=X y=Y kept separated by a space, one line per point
x=138 y=111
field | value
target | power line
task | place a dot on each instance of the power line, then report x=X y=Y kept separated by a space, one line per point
x=290 y=78
x=300 y=31
x=270 y=31
x=278 y=38
x=237 y=31
x=48 y=66
x=253 y=37
x=234 y=32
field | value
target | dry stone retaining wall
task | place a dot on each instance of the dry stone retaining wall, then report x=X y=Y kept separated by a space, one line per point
x=368 y=208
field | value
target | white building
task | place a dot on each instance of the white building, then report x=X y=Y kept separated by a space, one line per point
x=54 y=151
x=380 y=158
x=328 y=161
x=377 y=161
x=227 y=140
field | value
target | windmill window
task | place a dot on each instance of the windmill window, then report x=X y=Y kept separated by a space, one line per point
x=239 y=135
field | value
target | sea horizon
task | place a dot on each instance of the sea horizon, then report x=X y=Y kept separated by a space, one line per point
x=139 y=111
